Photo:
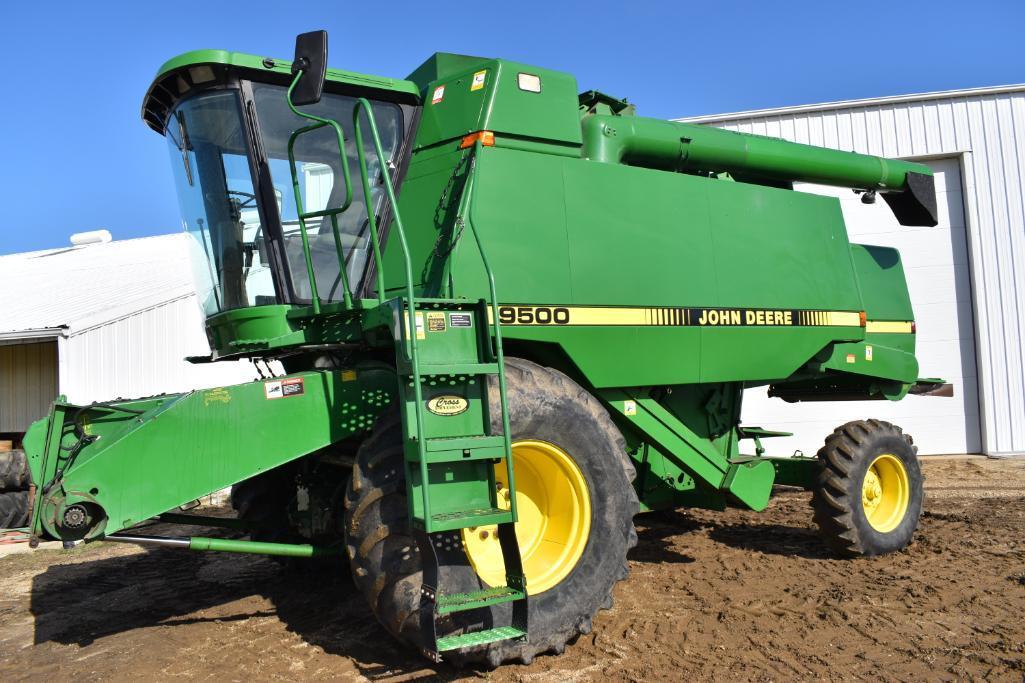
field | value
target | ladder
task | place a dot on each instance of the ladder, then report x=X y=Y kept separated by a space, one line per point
x=446 y=352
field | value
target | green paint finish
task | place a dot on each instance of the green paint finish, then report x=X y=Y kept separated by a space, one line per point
x=480 y=638
x=881 y=280
x=300 y=550
x=170 y=450
x=687 y=147
x=797 y=471
x=488 y=95
x=460 y=602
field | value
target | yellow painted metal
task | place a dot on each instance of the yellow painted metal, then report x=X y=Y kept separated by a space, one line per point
x=554 y=518
x=885 y=493
x=889 y=326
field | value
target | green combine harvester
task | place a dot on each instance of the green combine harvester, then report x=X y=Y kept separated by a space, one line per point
x=510 y=317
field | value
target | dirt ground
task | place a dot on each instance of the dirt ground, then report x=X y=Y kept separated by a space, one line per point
x=711 y=596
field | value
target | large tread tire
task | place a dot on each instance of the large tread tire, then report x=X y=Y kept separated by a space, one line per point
x=14 y=473
x=13 y=509
x=837 y=499
x=543 y=404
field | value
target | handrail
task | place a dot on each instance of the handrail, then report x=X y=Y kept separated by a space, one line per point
x=333 y=213
x=468 y=206
x=363 y=105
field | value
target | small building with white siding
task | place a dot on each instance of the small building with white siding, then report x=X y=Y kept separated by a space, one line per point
x=101 y=321
x=966 y=276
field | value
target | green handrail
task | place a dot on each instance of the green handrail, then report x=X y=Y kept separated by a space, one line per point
x=469 y=206
x=364 y=106
x=332 y=213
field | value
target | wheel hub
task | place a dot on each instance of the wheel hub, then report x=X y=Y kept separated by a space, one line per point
x=885 y=493
x=554 y=506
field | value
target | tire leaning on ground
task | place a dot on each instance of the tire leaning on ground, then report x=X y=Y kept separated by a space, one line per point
x=574 y=479
x=14 y=474
x=869 y=493
x=13 y=509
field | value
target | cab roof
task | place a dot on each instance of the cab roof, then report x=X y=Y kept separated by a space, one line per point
x=201 y=68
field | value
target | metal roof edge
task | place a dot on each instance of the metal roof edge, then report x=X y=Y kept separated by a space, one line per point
x=37 y=333
x=126 y=312
x=850 y=104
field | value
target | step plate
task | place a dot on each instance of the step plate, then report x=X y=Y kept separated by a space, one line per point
x=480 y=638
x=460 y=602
x=451 y=521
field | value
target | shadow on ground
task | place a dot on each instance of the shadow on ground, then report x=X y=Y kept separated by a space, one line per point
x=77 y=604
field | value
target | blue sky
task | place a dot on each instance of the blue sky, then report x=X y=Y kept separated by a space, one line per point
x=77 y=157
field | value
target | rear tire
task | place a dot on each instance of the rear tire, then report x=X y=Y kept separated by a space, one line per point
x=13 y=509
x=544 y=406
x=869 y=493
x=14 y=474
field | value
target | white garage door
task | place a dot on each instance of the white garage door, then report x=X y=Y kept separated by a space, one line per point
x=936 y=265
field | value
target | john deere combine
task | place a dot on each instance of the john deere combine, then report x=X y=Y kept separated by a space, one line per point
x=510 y=317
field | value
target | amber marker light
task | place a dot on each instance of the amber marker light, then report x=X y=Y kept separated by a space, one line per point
x=486 y=137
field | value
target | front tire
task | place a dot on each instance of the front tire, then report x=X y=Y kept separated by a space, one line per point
x=869 y=493
x=550 y=417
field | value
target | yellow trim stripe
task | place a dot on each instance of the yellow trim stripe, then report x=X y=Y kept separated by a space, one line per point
x=529 y=315
x=888 y=326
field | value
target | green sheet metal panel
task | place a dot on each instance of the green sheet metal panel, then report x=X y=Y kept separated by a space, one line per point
x=569 y=232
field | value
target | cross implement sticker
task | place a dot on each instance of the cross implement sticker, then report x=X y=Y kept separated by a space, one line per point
x=284 y=388
x=439 y=94
x=478 y=80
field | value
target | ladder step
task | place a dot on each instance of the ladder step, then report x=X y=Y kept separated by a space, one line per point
x=463 y=449
x=461 y=519
x=464 y=442
x=435 y=369
x=480 y=638
x=460 y=602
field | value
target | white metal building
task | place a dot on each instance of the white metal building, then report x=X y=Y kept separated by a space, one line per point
x=98 y=322
x=966 y=276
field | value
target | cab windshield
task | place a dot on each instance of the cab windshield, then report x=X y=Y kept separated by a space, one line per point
x=237 y=240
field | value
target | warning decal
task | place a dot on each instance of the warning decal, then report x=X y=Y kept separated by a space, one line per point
x=284 y=388
x=439 y=94
x=436 y=321
x=478 y=80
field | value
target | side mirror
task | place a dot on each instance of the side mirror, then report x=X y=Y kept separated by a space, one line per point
x=311 y=59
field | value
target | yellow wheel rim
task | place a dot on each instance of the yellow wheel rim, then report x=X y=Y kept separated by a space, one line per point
x=554 y=507
x=885 y=493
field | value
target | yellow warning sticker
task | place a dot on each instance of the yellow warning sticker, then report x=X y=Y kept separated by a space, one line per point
x=436 y=321
x=478 y=80
x=420 y=332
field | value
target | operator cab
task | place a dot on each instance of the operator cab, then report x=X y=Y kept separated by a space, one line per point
x=227 y=121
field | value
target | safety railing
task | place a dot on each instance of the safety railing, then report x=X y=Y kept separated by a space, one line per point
x=364 y=107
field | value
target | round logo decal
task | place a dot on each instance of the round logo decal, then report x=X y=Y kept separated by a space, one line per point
x=448 y=405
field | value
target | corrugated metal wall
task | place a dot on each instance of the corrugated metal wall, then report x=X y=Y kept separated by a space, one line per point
x=143 y=354
x=28 y=383
x=986 y=131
